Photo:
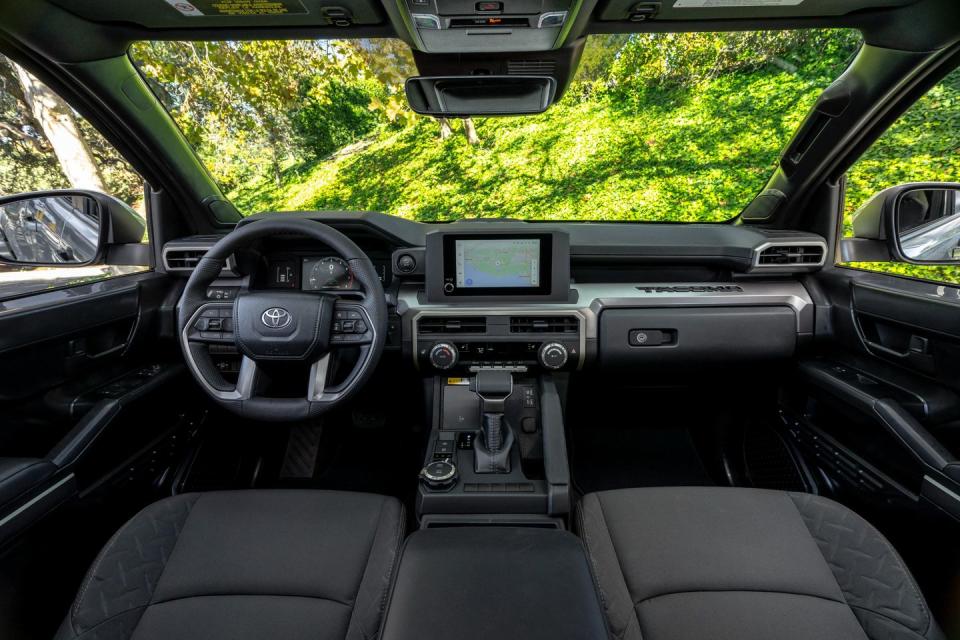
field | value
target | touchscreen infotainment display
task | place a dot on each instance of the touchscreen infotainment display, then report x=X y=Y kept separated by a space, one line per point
x=488 y=263
x=495 y=265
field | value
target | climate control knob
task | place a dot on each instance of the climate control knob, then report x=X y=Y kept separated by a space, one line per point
x=444 y=355
x=553 y=355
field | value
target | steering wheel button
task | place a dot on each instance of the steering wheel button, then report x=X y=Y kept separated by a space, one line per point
x=348 y=326
x=353 y=315
x=360 y=327
x=337 y=327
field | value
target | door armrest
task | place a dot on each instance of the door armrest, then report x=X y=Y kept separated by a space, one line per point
x=18 y=476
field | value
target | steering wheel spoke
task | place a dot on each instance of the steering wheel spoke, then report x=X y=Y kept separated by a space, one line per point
x=247 y=379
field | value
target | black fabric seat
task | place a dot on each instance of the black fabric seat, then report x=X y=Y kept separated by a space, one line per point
x=283 y=565
x=696 y=562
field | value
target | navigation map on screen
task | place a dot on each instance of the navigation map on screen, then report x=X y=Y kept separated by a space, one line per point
x=512 y=262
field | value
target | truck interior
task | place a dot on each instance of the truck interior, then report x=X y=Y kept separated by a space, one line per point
x=219 y=420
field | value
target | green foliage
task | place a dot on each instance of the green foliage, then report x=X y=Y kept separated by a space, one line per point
x=28 y=162
x=658 y=59
x=331 y=113
x=664 y=151
x=922 y=145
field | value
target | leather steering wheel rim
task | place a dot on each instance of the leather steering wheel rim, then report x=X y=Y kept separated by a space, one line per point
x=241 y=398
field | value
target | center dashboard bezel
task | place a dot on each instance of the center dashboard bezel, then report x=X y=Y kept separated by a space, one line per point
x=554 y=264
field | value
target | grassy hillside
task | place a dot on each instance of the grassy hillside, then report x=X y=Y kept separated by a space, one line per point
x=678 y=155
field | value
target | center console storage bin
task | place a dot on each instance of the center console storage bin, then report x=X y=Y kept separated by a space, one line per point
x=478 y=583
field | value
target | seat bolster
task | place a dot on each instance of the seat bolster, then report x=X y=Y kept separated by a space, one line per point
x=605 y=565
x=371 y=599
x=873 y=578
x=120 y=584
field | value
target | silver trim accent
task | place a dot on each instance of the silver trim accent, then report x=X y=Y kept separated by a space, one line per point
x=551 y=14
x=543 y=349
x=318 y=378
x=432 y=478
x=786 y=243
x=34 y=500
x=229 y=269
x=594 y=298
x=427 y=16
x=276 y=318
x=453 y=351
x=949 y=493
x=247 y=378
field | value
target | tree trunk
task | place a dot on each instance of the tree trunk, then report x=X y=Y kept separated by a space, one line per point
x=275 y=165
x=60 y=128
x=470 y=131
x=445 y=130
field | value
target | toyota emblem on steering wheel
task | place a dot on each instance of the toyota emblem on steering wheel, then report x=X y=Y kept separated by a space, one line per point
x=276 y=318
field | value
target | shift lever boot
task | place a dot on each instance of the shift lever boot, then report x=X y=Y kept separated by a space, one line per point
x=492 y=447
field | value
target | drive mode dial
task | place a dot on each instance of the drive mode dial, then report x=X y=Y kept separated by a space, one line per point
x=444 y=355
x=553 y=355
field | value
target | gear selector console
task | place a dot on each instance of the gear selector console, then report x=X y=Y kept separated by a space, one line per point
x=503 y=434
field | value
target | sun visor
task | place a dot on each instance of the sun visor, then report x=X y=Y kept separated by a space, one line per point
x=207 y=14
x=669 y=10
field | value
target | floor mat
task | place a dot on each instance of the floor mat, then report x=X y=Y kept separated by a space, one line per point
x=303 y=445
x=607 y=458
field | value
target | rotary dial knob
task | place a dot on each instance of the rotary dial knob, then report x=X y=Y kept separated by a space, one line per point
x=444 y=355
x=553 y=355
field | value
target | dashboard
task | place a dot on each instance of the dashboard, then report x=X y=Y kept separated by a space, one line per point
x=560 y=296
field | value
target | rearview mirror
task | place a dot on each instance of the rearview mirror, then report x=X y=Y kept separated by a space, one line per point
x=38 y=229
x=465 y=96
x=914 y=223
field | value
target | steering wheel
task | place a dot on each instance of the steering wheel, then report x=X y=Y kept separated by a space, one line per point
x=277 y=326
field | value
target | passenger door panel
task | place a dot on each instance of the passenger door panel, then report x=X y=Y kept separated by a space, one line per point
x=891 y=359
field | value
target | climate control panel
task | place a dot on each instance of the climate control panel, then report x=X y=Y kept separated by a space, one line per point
x=462 y=341
x=444 y=355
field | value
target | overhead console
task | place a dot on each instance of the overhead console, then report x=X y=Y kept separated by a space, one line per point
x=456 y=26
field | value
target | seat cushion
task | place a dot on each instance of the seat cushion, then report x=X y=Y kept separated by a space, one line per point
x=244 y=564
x=696 y=562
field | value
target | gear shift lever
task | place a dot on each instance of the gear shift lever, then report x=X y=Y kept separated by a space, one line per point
x=492 y=448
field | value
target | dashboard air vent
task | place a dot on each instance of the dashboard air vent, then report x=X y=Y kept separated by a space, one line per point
x=182 y=259
x=437 y=325
x=787 y=255
x=544 y=324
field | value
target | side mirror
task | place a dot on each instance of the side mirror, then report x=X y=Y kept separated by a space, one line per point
x=915 y=223
x=57 y=228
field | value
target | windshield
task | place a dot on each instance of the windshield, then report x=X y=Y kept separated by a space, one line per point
x=653 y=127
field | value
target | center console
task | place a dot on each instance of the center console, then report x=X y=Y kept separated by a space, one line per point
x=497 y=450
x=488 y=335
x=474 y=583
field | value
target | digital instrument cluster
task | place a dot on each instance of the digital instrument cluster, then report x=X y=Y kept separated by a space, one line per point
x=317 y=273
